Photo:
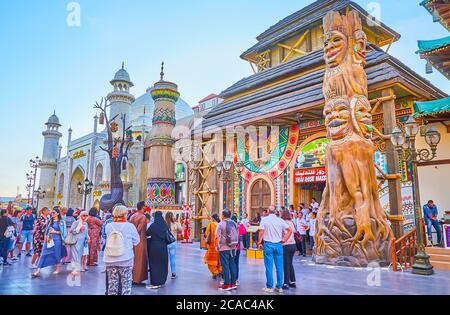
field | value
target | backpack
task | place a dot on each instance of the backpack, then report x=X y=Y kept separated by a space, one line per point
x=232 y=235
x=115 y=244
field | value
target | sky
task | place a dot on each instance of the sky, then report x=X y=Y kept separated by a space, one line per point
x=49 y=64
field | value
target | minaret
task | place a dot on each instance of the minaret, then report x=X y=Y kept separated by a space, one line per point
x=161 y=167
x=48 y=164
x=120 y=99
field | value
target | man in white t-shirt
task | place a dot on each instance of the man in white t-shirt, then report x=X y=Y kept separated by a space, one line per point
x=274 y=231
x=314 y=205
x=302 y=226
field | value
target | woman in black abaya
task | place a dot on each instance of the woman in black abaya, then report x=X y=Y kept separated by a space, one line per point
x=158 y=258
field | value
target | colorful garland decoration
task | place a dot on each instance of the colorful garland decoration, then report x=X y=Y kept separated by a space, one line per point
x=286 y=188
x=279 y=159
x=165 y=94
x=236 y=197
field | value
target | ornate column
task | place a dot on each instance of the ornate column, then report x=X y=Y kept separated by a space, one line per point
x=161 y=166
x=395 y=196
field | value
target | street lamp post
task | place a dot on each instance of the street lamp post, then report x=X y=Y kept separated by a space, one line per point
x=34 y=164
x=85 y=190
x=405 y=144
x=228 y=175
x=40 y=194
x=29 y=186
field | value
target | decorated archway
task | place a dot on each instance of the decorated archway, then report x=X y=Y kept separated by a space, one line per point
x=280 y=157
x=76 y=199
x=260 y=194
x=98 y=174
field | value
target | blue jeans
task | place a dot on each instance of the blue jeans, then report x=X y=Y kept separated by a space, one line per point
x=236 y=261
x=437 y=227
x=311 y=242
x=4 y=246
x=172 y=248
x=273 y=252
x=227 y=260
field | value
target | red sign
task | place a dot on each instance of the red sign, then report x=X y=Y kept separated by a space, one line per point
x=310 y=175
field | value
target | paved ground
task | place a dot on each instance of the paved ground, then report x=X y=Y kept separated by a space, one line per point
x=194 y=279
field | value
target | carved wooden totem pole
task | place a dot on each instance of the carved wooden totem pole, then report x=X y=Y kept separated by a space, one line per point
x=352 y=228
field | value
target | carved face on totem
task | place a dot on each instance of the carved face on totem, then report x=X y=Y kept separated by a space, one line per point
x=363 y=116
x=335 y=48
x=337 y=118
x=360 y=46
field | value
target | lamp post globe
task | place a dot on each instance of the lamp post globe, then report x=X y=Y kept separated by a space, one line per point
x=432 y=136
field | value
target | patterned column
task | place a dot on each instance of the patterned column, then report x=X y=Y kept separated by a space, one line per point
x=161 y=167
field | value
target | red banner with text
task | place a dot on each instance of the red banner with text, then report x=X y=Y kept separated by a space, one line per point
x=310 y=175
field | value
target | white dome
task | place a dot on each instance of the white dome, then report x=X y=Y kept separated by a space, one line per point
x=182 y=109
x=53 y=120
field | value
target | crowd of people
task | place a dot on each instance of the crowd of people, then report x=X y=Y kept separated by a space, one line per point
x=137 y=247
x=281 y=233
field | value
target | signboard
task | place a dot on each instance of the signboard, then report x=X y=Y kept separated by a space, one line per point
x=447 y=236
x=180 y=175
x=312 y=155
x=310 y=175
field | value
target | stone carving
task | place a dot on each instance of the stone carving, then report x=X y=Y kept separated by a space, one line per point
x=352 y=228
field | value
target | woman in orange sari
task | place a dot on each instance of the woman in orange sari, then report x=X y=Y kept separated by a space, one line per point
x=212 y=255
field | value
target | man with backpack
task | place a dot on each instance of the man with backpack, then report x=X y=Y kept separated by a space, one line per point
x=227 y=238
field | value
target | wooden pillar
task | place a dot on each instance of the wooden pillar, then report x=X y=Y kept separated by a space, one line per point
x=395 y=196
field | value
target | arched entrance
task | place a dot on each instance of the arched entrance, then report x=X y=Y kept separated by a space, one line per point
x=76 y=199
x=98 y=174
x=260 y=196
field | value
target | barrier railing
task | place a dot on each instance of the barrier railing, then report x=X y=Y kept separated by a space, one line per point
x=404 y=250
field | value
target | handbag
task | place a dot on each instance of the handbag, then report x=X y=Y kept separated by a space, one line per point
x=9 y=232
x=70 y=239
x=170 y=238
x=50 y=242
x=208 y=239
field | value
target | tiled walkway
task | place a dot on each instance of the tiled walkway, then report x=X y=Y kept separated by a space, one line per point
x=194 y=279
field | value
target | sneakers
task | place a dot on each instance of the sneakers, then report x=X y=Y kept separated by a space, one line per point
x=237 y=282
x=222 y=282
x=279 y=290
x=234 y=286
x=174 y=276
x=28 y=255
x=226 y=287
x=292 y=285
x=19 y=255
x=285 y=286
x=152 y=287
x=267 y=290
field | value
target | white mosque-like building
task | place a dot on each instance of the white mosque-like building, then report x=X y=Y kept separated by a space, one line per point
x=60 y=176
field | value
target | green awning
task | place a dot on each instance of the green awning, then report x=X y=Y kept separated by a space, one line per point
x=430 y=45
x=432 y=107
x=424 y=2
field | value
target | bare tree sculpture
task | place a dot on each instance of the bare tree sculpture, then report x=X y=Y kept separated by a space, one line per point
x=117 y=149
